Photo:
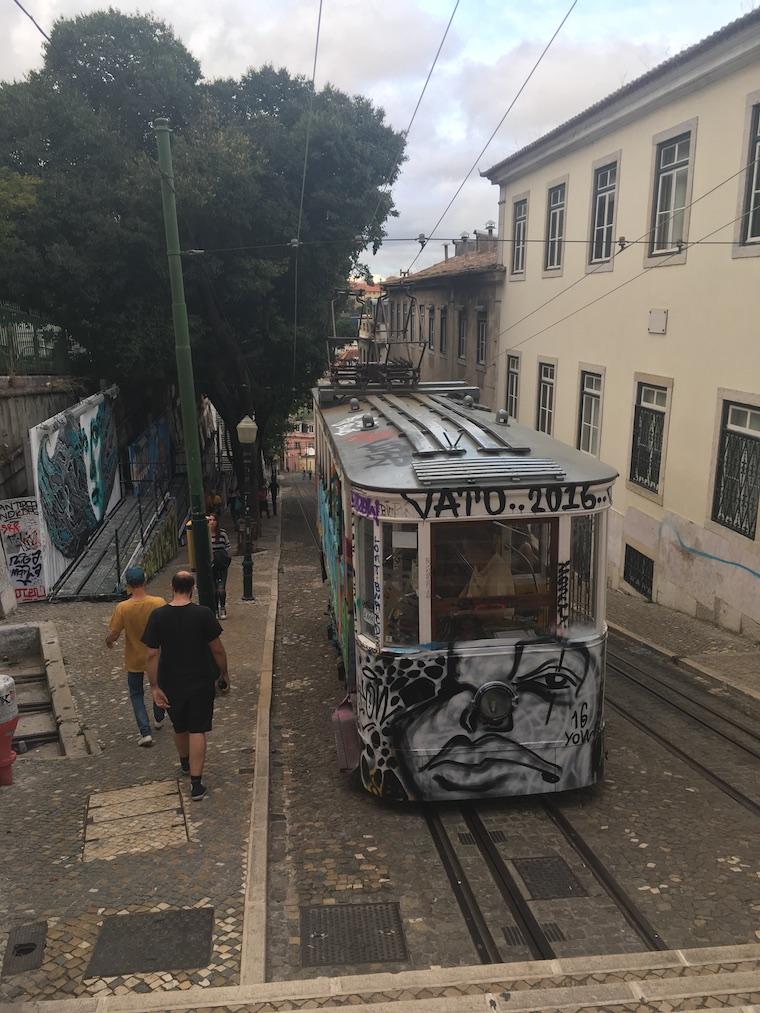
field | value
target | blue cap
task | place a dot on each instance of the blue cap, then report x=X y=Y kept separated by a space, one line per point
x=135 y=576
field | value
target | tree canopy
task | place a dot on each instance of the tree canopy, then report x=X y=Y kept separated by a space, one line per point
x=82 y=238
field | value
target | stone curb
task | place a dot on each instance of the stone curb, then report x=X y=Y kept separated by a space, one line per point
x=74 y=739
x=404 y=982
x=254 y=942
x=684 y=662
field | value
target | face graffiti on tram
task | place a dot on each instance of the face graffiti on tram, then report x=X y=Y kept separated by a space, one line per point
x=456 y=726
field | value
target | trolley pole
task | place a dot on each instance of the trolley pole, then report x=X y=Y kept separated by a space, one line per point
x=184 y=368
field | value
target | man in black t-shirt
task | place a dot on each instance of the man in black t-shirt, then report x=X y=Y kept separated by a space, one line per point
x=185 y=659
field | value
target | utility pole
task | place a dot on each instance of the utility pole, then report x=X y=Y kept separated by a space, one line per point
x=206 y=595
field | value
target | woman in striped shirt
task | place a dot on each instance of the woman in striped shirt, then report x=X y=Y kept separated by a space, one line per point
x=220 y=561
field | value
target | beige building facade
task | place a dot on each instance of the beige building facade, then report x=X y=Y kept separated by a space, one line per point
x=454 y=309
x=630 y=316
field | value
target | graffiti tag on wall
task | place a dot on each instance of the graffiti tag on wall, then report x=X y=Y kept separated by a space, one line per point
x=20 y=534
x=150 y=457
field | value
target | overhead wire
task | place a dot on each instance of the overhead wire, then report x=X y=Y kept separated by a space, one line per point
x=643 y=239
x=498 y=126
x=42 y=32
x=310 y=116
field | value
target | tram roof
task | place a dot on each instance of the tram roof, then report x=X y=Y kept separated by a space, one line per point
x=436 y=435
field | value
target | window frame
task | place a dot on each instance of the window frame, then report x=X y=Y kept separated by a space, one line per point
x=741 y=247
x=752 y=190
x=431 y=328
x=443 y=313
x=650 y=380
x=550 y=384
x=481 y=338
x=513 y=370
x=660 y=141
x=462 y=335
x=598 y=166
x=557 y=186
x=726 y=401
x=587 y=371
x=518 y=274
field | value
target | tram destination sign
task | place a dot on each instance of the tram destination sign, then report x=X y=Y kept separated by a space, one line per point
x=455 y=503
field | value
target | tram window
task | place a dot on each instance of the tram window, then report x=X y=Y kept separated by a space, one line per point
x=493 y=579
x=581 y=578
x=400 y=584
x=368 y=582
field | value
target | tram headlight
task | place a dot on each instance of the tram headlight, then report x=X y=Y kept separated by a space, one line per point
x=495 y=704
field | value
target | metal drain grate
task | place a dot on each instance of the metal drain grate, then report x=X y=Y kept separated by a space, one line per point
x=497 y=836
x=548 y=878
x=346 y=934
x=514 y=937
x=25 y=948
x=153 y=941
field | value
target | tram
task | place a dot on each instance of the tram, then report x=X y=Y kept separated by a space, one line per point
x=466 y=561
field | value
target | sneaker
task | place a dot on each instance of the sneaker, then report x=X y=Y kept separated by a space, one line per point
x=159 y=723
x=222 y=613
x=197 y=791
x=145 y=740
x=184 y=762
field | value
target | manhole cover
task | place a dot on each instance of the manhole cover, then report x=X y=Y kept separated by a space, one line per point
x=548 y=878
x=338 y=934
x=25 y=948
x=154 y=941
x=514 y=936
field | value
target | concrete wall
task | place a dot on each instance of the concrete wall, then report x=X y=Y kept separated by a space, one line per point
x=26 y=401
x=710 y=351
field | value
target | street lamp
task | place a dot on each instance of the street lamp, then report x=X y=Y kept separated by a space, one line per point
x=247 y=431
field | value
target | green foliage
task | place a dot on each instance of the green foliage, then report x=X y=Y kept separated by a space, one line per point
x=83 y=240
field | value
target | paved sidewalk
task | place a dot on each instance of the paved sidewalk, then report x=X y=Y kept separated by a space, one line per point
x=161 y=853
x=712 y=651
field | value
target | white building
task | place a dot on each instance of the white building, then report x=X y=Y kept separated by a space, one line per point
x=630 y=322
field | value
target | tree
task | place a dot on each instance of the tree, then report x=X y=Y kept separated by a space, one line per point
x=92 y=254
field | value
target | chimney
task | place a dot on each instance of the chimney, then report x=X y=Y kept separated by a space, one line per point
x=445 y=251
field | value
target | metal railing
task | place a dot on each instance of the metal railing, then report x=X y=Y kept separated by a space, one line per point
x=31 y=345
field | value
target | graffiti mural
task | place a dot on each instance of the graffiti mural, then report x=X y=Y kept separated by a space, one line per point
x=448 y=725
x=150 y=457
x=162 y=544
x=76 y=479
x=336 y=551
x=20 y=534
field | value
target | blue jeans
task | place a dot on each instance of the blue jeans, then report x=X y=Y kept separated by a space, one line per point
x=135 y=683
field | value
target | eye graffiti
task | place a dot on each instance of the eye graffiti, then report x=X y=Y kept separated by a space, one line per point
x=436 y=727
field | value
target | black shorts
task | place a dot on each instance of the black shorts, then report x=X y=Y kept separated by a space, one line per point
x=193 y=713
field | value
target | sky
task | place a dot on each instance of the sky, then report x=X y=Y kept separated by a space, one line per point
x=384 y=51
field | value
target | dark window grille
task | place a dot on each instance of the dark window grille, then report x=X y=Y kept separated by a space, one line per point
x=638 y=571
x=646 y=453
x=737 y=482
x=581 y=591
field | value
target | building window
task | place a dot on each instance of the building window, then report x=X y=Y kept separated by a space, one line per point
x=751 y=216
x=605 y=184
x=638 y=571
x=412 y=321
x=442 y=329
x=737 y=478
x=670 y=194
x=482 y=338
x=431 y=328
x=545 y=415
x=519 y=227
x=513 y=384
x=422 y=323
x=403 y=321
x=555 y=227
x=648 y=431
x=462 y=335
x=590 y=412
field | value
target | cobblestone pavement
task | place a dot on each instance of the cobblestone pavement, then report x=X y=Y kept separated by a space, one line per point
x=43 y=815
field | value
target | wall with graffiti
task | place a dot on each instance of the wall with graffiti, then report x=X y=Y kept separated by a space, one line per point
x=336 y=551
x=150 y=457
x=424 y=736
x=20 y=534
x=162 y=544
x=76 y=479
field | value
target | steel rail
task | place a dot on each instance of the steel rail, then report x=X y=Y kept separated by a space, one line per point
x=635 y=918
x=618 y=659
x=715 y=779
x=534 y=936
x=474 y=919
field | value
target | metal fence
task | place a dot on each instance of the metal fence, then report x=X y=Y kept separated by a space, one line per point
x=31 y=345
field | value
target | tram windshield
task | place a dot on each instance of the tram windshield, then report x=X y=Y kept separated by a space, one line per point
x=491 y=579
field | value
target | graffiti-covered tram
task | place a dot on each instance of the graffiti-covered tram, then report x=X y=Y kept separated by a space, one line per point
x=465 y=556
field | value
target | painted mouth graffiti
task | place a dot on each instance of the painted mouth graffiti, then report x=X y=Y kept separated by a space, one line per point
x=454 y=755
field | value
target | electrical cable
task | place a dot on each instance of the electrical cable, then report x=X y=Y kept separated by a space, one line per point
x=42 y=32
x=303 y=190
x=511 y=105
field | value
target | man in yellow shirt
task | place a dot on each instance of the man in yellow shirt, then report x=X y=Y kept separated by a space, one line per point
x=132 y=616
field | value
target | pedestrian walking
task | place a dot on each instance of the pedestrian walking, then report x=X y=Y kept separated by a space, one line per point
x=185 y=659
x=274 y=491
x=221 y=557
x=132 y=616
x=263 y=501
